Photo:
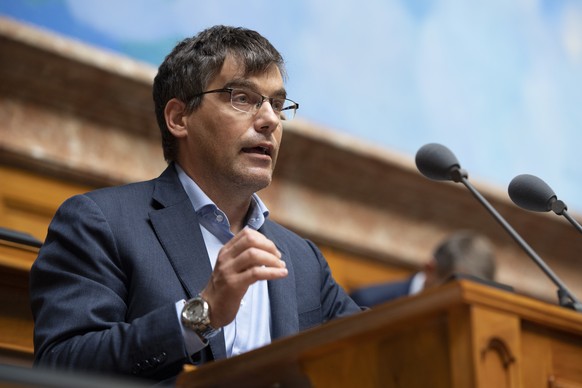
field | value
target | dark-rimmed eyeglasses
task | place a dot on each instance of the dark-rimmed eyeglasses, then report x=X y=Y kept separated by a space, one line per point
x=245 y=100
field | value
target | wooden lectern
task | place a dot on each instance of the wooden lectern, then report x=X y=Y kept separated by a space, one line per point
x=462 y=334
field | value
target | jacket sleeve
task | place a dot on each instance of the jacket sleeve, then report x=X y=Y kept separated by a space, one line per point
x=79 y=290
x=380 y=293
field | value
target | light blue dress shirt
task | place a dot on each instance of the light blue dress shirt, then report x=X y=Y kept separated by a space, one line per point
x=251 y=327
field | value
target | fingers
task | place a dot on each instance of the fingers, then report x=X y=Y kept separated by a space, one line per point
x=251 y=251
x=251 y=238
x=247 y=258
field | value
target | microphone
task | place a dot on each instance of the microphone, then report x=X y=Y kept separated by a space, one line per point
x=531 y=193
x=437 y=162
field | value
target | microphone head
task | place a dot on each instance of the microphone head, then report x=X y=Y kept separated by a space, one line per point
x=435 y=161
x=531 y=193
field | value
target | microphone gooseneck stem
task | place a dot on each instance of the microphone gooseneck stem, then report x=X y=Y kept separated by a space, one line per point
x=566 y=298
x=572 y=221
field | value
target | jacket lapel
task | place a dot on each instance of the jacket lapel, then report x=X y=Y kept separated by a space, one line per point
x=282 y=295
x=177 y=228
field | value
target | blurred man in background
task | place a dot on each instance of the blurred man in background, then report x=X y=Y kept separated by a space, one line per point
x=462 y=253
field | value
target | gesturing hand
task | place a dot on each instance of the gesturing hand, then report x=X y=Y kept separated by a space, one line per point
x=248 y=257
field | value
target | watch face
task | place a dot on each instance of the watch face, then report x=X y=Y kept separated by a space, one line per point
x=195 y=316
x=195 y=311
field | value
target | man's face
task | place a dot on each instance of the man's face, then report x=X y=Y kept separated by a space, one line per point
x=227 y=149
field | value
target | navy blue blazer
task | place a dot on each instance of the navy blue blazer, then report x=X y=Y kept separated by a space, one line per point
x=380 y=293
x=115 y=261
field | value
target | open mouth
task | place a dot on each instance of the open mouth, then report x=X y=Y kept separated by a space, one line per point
x=257 y=150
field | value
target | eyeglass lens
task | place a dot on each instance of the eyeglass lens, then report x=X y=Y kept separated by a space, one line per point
x=249 y=101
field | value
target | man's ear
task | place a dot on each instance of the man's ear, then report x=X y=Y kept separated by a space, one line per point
x=175 y=114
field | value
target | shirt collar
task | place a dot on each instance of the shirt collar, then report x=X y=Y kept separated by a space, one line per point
x=417 y=283
x=258 y=210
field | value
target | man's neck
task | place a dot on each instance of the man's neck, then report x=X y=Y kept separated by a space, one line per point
x=233 y=200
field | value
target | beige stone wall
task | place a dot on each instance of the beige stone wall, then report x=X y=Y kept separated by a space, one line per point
x=82 y=115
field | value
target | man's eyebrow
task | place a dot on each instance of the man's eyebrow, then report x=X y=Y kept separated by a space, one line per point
x=246 y=84
x=280 y=93
x=241 y=83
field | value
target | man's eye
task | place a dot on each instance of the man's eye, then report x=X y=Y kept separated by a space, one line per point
x=240 y=97
x=277 y=104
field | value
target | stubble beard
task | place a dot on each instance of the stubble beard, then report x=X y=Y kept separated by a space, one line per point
x=251 y=183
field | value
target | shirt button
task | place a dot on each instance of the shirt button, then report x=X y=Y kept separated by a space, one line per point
x=219 y=218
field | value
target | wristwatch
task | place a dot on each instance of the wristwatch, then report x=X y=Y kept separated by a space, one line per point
x=195 y=317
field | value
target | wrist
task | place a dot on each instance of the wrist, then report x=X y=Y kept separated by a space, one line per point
x=196 y=317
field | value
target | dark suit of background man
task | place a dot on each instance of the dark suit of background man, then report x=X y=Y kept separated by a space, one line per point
x=463 y=252
x=187 y=267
